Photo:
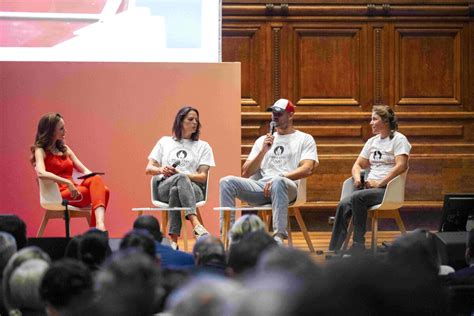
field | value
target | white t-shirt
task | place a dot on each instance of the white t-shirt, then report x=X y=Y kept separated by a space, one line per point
x=381 y=154
x=286 y=153
x=191 y=154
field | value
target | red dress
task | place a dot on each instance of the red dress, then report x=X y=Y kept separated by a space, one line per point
x=93 y=190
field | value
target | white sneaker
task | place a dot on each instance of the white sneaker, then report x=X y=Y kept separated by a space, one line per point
x=199 y=231
x=174 y=245
x=278 y=240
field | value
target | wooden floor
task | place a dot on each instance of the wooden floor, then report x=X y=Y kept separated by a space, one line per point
x=320 y=242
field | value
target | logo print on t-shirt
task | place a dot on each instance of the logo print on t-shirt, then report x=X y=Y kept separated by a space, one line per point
x=182 y=154
x=279 y=150
x=377 y=152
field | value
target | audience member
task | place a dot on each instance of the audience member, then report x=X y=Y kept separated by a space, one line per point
x=129 y=284
x=169 y=258
x=94 y=248
x=140 y=239
x=16 y=227
x=466 y=275
x=72 y=248
x=368 y=286
x=7 y=250
x=417 y=250
x=23 y=288
x=243 y=255
x=15 y=261
x=173 y=279
x=244 y=225
x=210 y=296
x=209 y=255
x=67 y=288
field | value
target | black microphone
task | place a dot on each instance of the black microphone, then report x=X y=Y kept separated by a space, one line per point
x=272 y=127
x=176 y=163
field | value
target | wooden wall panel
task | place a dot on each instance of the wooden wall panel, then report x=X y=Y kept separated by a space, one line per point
x=337 y=58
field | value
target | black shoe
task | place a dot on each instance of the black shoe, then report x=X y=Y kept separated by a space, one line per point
x=357 y=248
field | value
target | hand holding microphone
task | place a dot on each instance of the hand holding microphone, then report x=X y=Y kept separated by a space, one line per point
x=269 y=138
x=168 y=171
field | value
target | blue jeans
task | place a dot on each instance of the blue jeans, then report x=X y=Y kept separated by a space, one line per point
x=251 y=191
x=178 y=190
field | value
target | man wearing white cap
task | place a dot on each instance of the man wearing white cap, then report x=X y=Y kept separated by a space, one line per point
x=276 y=163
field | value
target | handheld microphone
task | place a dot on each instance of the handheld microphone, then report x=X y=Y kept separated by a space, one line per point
x=272 y=127
x=176 y=163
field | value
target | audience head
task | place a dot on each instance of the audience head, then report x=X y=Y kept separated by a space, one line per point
x=24 y=284
x=22 y=256
x=416 y=250
x=244 y=225
x=66 y=287
x=470 y=247
x=45 y=134
x=7 y=249
x=243 y=255
x=172 y=279
x=183 y=114
x=72 y=248
x=209 y=250
x=368 y=286
x=16 y=227
x=151 y=224
x=286 y=260
x=210 y=295
x=129 y=284
x=94 y=248
x=140 y=239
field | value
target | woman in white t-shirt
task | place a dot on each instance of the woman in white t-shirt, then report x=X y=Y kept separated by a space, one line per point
x=386 y=156
x=180 y=164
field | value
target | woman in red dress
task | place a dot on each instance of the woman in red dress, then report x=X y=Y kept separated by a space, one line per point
x=55 y=161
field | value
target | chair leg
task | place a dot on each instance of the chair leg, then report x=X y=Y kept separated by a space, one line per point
x=88 y=218
x=164 y=223
x=225 y=230
x=44 y=221
x=400 y=224
x=350 y=230
x=198 y=214
x=184 y=230
x=300 y=221
x=290 y=237
x=140 y=213
x=374 y=232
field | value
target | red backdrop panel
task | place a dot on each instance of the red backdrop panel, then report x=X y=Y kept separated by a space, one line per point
x=114 y=114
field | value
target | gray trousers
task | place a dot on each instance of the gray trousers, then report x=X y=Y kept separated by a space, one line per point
x=179 y=191
x=356 y=205
x=251 y=191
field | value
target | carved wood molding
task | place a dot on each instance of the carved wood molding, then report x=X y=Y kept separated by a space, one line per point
x=378 y=66
x=276 y=63
x=351 y=9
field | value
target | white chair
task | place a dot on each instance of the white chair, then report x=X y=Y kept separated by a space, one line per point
x=393 y=200
x=165 y=208
x=52 y=201
x=265 y=213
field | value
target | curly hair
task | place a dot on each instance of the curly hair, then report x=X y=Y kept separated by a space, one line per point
x=45 y=133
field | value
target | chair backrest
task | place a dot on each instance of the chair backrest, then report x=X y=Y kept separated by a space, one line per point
x=50 y=197
x=347 y=187
x=154 y=191
x=301 y=193
x=394 y=196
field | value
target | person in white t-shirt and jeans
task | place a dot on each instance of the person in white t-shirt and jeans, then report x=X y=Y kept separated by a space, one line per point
x=180 y=164
x=273 y=168
x=386 y=156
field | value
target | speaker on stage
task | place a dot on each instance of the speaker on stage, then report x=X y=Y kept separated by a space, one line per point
x=452 y=248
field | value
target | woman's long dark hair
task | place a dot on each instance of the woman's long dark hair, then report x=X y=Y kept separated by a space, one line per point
x=178 y=123
x=45 y=133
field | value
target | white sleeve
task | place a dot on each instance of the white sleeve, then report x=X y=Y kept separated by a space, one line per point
x=401 y=146
x=309 y=150
x=257 y=147
x=365 y=153
x=207 y=156
x=157 y=152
